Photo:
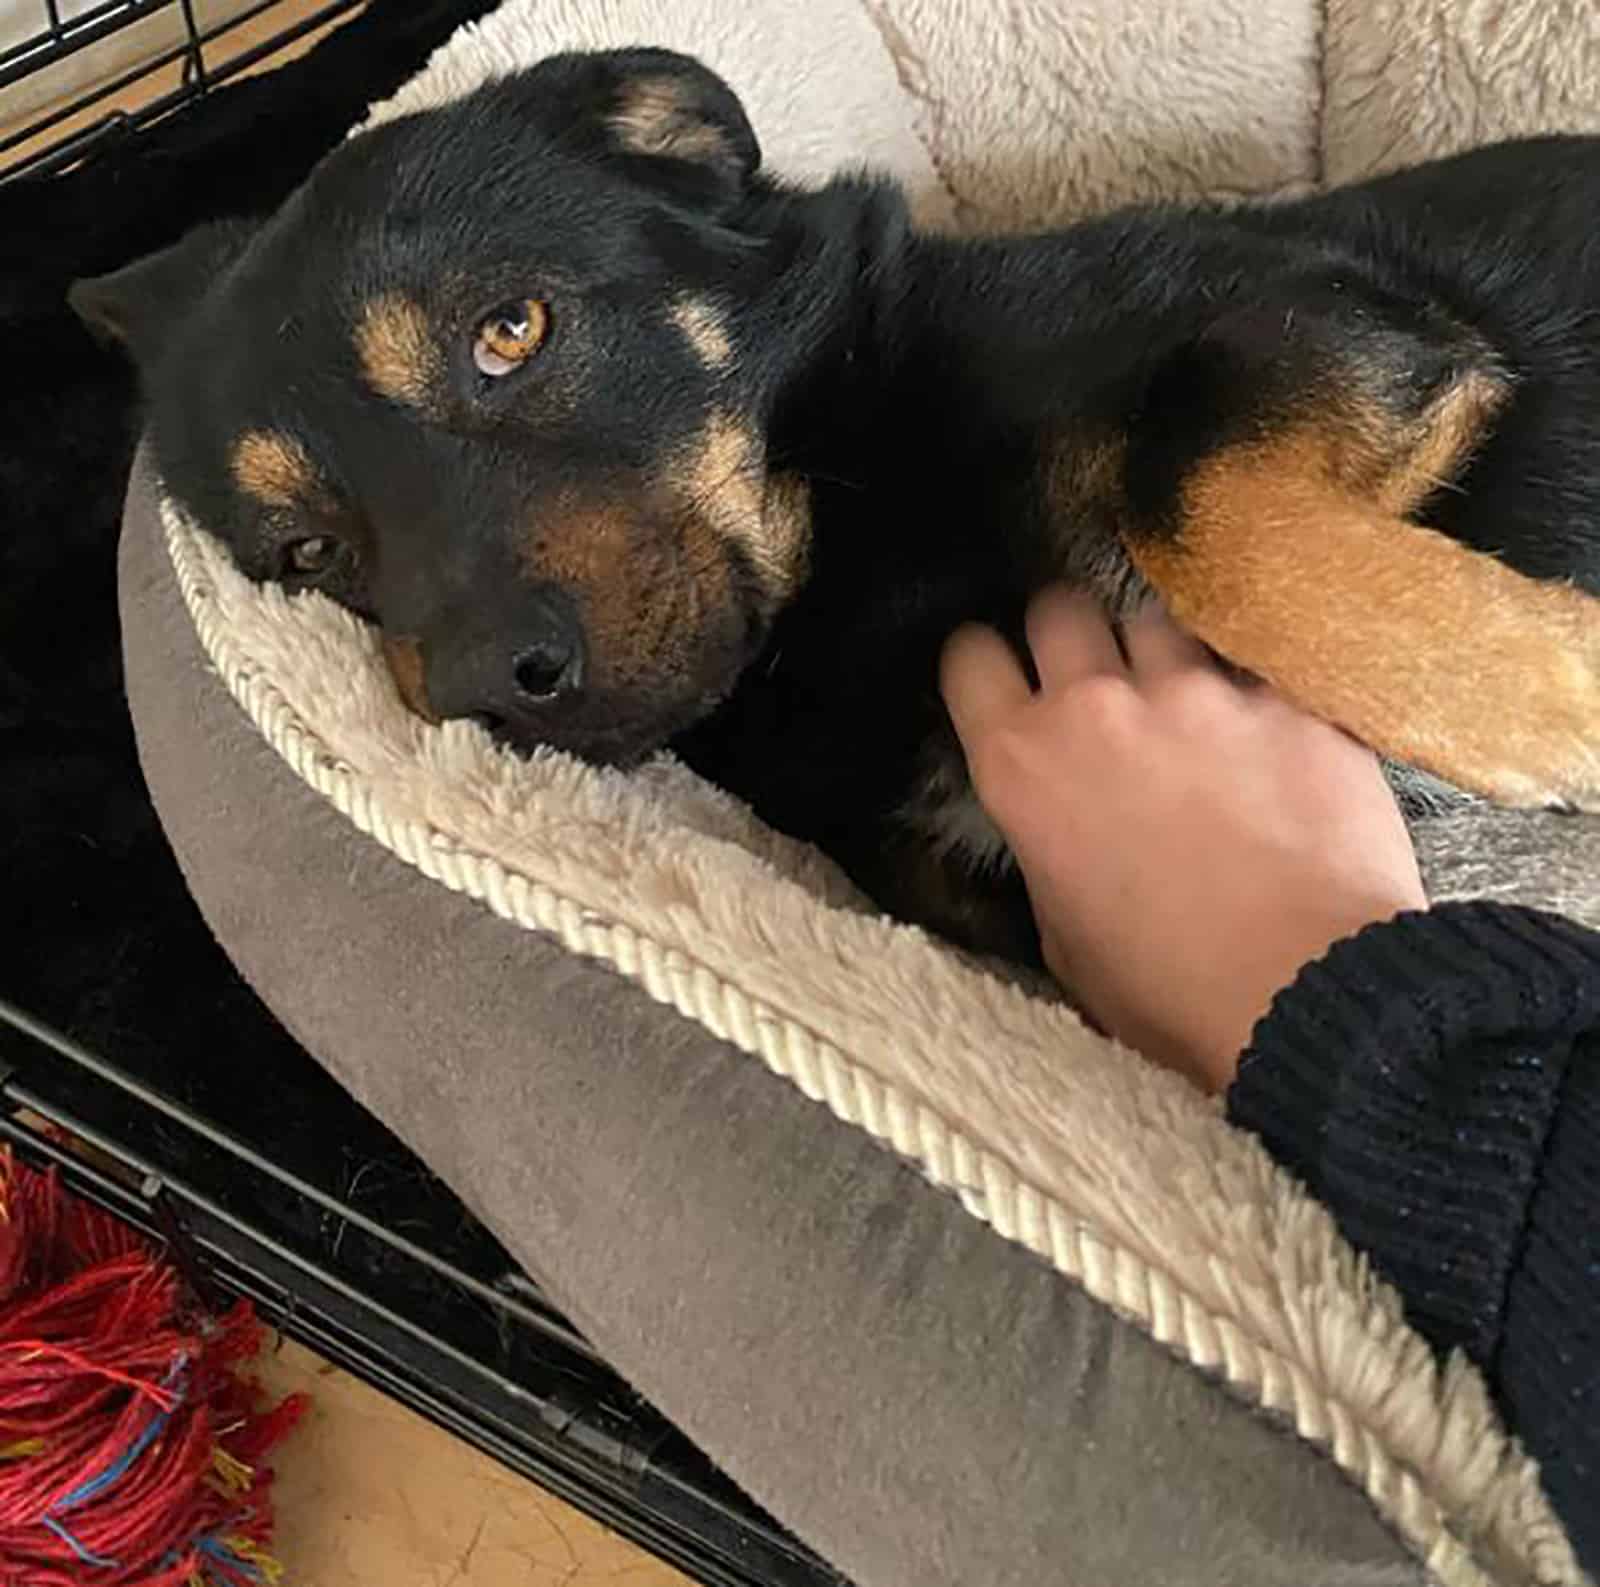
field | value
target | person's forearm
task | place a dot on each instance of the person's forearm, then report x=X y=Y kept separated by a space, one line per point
x=1435 y=1082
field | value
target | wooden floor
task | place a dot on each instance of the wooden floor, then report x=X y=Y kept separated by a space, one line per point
x=368 y=1493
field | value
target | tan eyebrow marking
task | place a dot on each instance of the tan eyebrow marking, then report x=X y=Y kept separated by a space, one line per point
x=274 y=469
x=399 y=356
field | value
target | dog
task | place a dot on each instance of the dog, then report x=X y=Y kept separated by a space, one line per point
x=626 y=445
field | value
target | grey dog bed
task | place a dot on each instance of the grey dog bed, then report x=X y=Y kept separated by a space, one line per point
x=960 y=1291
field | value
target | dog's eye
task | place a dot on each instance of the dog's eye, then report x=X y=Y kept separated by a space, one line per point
x=510 y=336
x=314 y=554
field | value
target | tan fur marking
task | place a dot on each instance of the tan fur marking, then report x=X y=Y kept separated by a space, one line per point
x=1430 y=652
x=399 y=357
x=1085 y=468
x=1399 y=465
x=656 y=117
x=705 y=329
x=724 y=478
x=1452 y=431
x=1083 y=500
x=633 y=599
x=274 y=469
x=404 y=658
x=580 y=544
x=654 y=577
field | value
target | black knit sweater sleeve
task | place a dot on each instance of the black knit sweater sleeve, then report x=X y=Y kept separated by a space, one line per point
x=1435 y=1081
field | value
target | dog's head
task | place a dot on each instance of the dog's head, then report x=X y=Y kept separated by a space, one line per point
x=491 y=379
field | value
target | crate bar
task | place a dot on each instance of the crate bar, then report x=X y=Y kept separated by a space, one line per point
x=66 y=38
x=76 y=146
x=543 y=1318
x=194 y=66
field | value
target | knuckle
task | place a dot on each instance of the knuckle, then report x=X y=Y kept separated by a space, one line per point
x=1198 y=697
x=1102 y=703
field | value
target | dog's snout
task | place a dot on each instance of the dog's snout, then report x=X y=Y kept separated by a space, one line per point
x=530 y=660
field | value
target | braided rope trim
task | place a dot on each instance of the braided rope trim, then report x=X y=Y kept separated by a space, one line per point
x=984 y=1182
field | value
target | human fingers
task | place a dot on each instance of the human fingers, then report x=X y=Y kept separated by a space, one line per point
x=1070 y=637
x=980 y=679
x=1157 y=647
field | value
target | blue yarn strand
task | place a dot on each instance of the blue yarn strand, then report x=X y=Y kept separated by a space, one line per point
x=86 y=1555
x=113 y=1472
x=119 y=1467
x=225 y=1555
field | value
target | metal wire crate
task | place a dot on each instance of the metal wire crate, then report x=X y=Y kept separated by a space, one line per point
x=96 y=70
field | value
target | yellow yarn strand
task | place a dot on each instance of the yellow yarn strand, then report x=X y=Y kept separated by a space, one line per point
x=232 y=1474
x=252 y=1554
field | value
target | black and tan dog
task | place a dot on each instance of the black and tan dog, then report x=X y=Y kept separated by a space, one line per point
x=625 y=445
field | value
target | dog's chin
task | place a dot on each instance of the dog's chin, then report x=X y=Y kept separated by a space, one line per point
x=622 y=729
x=616 y=740
x=621 y=751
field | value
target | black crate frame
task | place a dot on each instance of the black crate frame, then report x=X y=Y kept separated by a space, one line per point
x=203 y=52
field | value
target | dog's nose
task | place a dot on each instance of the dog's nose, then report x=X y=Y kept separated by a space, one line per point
x=549 y=661
x=532 y=658
x=548 y=667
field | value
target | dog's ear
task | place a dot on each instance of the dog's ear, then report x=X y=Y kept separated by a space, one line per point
x=681 y=122
x=140 y=304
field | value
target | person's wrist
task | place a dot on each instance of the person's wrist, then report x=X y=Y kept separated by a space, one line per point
x=1305 y=940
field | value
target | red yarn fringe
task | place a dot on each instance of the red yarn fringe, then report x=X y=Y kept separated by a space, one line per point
x=130 y=1444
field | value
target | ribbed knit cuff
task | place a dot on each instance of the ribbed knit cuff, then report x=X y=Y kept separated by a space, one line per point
x=1409 y=1078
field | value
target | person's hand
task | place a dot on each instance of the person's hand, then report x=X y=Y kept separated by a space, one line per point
x=1189 y=841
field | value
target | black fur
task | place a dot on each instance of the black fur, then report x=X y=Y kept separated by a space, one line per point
x=114 y=952
x=915 y=382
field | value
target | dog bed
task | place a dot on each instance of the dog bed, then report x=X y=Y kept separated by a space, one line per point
x=957 y=1289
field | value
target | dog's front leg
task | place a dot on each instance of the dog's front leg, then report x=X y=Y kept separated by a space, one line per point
x=1275 y=473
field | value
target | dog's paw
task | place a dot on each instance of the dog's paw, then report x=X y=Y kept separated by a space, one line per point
x=1547 y=754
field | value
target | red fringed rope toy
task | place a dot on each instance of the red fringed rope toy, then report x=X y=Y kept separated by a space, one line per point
x=130 y=1446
